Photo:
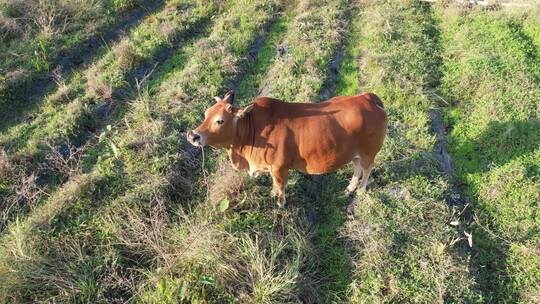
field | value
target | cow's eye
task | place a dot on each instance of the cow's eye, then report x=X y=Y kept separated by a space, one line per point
x=220 y=121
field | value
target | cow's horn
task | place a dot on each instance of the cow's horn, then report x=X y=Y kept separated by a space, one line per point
x=242 y=113
x=229 y=97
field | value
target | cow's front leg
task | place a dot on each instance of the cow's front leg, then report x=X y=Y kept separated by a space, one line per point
x=279 y=178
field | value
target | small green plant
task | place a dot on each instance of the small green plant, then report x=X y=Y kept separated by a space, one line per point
x=40 y=60
x=122 y=5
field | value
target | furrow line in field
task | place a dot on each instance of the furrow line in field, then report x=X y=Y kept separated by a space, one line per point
x=32 y=86
x=155 y=171
x=65 y=136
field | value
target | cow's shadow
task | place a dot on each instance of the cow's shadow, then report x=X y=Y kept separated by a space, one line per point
x=500 y=144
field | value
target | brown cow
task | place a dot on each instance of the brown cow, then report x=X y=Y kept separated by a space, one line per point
x=273 y=136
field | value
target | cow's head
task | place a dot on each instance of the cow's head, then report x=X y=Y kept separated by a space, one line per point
x=219 y=126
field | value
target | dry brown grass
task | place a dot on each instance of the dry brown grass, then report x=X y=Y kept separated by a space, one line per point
x=226 y=183
x=62 y=90
x=266 y=268
x=5 y=164
x=142 y=231
x=50 y=17
x=258 y=268
x=24 y=194
x=167 y=28
x=97 y=86
x=531 y=296
x=65 y=159
x=54 y=264
x=16 y=75
x=123 y=51
x=9 y=27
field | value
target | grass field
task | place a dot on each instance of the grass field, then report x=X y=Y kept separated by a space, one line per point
x=494 y=100
x=102 y=200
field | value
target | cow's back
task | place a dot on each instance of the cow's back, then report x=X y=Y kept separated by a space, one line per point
x=317 y=137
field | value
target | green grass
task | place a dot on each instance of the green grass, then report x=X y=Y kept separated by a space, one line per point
x=403 y=247
x=491 y=77
x=97 y=217
x=144 y=217
x=349 y=77
x=35 y=33
x=72 y=113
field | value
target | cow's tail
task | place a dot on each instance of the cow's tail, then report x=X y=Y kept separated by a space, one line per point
x=373 y=98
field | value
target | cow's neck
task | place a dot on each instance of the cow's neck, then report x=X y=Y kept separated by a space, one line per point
x=242 y=146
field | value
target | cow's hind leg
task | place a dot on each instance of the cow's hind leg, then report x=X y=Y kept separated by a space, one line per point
x=279 y=178
x=356 y=176
x=367 y=166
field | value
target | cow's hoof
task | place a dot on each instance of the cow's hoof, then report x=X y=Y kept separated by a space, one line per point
x=349 y=192
x=281 y=203
x=349 y=210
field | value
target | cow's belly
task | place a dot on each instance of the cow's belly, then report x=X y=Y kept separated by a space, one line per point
x=325 y=166
x=323 y=159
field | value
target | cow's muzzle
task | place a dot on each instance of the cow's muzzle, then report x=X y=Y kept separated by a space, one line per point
x=195 y=138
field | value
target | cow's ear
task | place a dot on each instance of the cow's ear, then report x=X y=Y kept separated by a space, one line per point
x=217 y=99
x=242 y=112
x=229 y=97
